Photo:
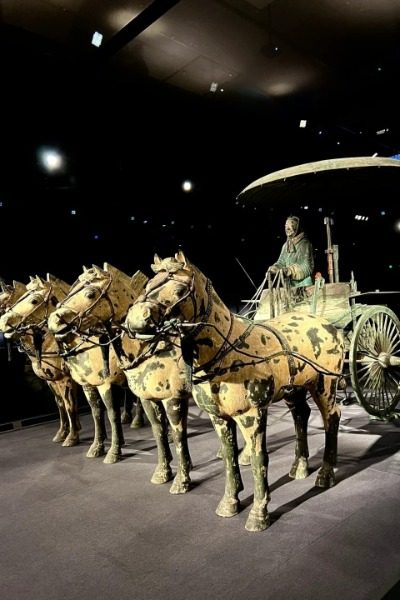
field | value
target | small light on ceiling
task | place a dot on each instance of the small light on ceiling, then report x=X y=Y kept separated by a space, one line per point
x=397 y=226
x=187 y=185
x=97 y=39
x=96 y=236
x=338 y=143
x=320 y=132
x=303 y=123
x=213 y=86
x=222 y=90
x=132 y=218
x=51 y=160
x=383 y=213
x=73 y=211
x=1 y=205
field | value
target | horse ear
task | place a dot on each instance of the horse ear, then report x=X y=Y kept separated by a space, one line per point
x=97 y=269
x=180 y=257
x=138 y=281
x=157 y=259
x=38 y=279
x=84 y=269
x=31 y=279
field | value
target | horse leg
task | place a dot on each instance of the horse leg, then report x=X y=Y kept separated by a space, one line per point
x=300 y=410
x=63 y=428
x=114 y=416
x=126 y=415
x=96 y=406
x=155 y=413
x=138 y=420
x=253 y=429
x=226 y=431
x=68 y=391
x=324 y=396
x=177 y=412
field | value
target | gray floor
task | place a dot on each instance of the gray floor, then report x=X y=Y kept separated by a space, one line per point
x=75 y=528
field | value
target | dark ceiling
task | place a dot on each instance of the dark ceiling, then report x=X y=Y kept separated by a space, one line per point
x=209 y=89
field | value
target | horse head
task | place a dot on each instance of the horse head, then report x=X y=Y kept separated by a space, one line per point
x=9 y=294
x=33 y=307
x=99 y=298
x=177 y=291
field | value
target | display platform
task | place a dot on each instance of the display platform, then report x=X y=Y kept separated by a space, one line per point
x=73 y=527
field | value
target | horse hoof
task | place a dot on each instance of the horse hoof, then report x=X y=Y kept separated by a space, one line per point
x=70 y=441
x=112 y=457
x=59 y=437
x=95 y=452
x=160 y=477
x=179 y=488
x=257 y=523
x=228 y=508
x=137 y=423
x=325 y=479
x=299 y=469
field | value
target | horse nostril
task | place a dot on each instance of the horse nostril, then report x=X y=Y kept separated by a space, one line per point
x=146 y=313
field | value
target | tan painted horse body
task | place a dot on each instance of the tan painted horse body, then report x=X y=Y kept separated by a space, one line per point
x=154 y=374
x=241 y=367
x=42 y=350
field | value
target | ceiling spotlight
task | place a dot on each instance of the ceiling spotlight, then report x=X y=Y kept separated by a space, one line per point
x=213 y=86
x=97 y=39
x=303 y=123
x=187 y=185
x=51 y=160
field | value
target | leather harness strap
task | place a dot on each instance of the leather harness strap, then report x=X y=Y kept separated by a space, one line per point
x=285 y=345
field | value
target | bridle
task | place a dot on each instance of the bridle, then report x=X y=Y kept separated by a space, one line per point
x=163 y=324
x=21 y=327
x=80 y=315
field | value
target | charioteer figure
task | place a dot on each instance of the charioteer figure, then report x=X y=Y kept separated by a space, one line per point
x=296 y=260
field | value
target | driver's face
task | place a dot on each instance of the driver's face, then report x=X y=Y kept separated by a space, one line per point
x=290 y=228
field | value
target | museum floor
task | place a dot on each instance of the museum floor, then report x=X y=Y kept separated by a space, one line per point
x=75 y=528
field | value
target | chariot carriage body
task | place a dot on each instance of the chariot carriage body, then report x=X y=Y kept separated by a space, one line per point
x=371 y=333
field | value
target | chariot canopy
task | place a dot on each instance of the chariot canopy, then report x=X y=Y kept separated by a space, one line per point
x=363 y=179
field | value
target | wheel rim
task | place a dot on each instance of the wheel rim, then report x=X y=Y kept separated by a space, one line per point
x=374 y=361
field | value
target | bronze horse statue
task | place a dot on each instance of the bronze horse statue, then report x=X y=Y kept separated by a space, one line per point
x=239 y=367
x=155 y=373
x=16 y=303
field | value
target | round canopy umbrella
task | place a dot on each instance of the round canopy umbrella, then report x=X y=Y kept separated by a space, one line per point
x=361 y=180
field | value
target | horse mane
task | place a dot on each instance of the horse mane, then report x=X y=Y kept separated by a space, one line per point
x=64 y=287
x=18 y=286
x=138 y=282
x=117 y=274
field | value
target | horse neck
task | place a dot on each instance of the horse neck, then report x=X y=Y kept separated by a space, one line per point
x=122 y=297
x=215 y=320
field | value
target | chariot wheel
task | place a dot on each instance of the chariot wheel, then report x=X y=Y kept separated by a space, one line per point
x=374 y=361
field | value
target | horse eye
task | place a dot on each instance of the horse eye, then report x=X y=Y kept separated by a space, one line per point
x=91 y=294
x=35 y=301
